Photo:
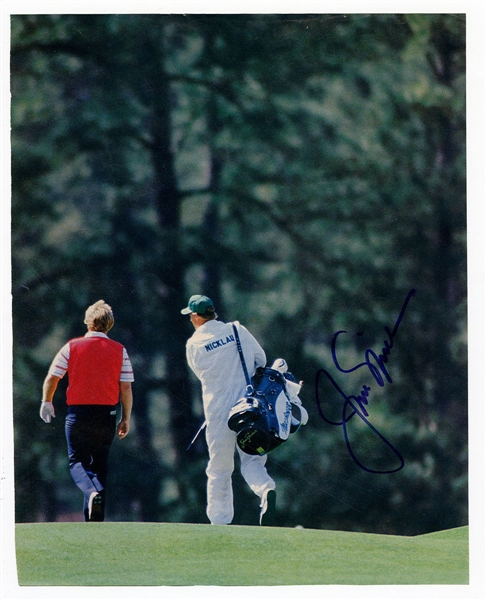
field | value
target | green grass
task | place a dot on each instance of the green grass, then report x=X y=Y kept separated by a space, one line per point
x=156 y=554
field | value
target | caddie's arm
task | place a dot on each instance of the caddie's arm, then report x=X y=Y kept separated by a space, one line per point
x=126 y=399
x=260 y=358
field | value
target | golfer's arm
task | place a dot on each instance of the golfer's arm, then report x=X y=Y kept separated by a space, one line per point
x=49 y=387
x=126 y=399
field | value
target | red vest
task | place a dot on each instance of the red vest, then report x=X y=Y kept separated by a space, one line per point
x=94 y=369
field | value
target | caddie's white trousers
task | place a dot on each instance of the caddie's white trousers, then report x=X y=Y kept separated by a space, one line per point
x=221 y=442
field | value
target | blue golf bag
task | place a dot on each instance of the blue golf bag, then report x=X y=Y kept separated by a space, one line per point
x=263 y=419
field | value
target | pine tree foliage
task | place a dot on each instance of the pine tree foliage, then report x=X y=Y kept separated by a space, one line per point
x=305 y=171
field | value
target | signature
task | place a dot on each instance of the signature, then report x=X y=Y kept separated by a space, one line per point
x=356 y=404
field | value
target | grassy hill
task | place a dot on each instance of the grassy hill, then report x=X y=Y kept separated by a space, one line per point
x=178 y=554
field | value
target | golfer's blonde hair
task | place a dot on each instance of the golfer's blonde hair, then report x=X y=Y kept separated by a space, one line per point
x=99 y=317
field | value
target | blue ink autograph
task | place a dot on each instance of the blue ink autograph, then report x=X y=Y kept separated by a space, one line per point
x=356 y=404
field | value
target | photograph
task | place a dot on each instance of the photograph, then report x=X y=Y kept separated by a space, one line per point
x=241 y=299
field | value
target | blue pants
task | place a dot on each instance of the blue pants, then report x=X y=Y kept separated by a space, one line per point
x=90 y=430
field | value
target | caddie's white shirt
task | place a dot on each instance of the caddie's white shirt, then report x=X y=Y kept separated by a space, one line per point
x=212 y=354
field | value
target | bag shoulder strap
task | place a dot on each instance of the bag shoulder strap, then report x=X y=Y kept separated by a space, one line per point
x=249 y=386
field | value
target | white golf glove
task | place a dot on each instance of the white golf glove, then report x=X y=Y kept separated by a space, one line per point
x=47 y=411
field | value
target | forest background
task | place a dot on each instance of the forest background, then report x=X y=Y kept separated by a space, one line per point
x=307 y=172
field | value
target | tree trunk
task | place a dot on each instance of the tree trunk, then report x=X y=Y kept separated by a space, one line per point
x=171 y=268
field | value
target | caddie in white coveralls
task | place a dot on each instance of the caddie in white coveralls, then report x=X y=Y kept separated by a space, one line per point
x=212 y=354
